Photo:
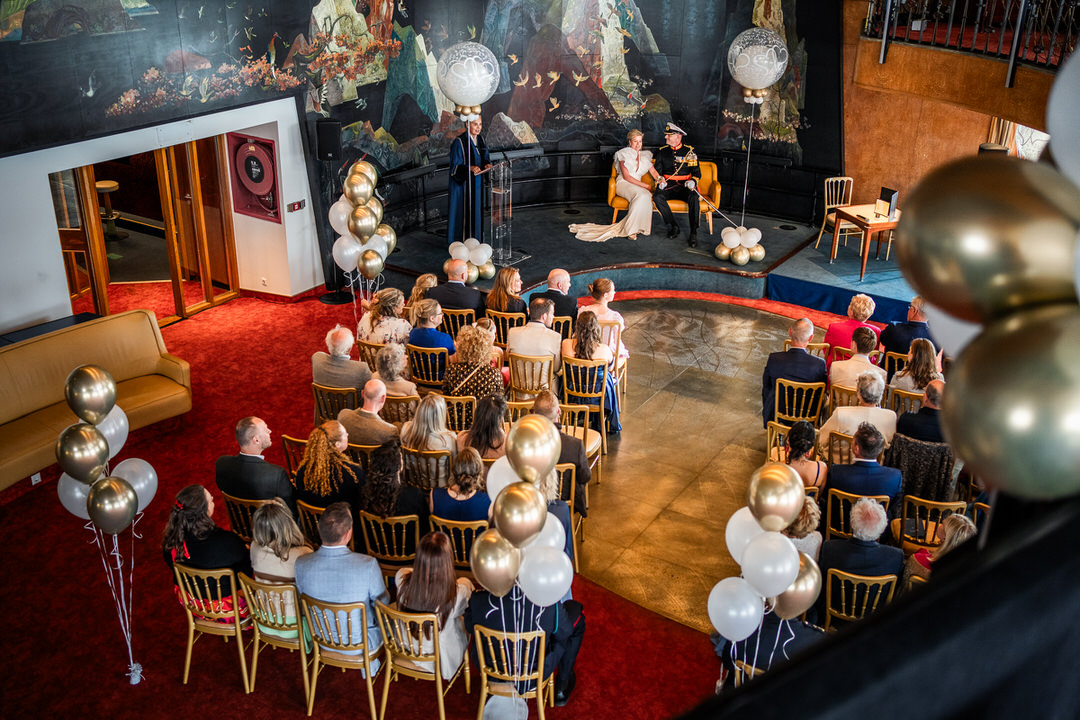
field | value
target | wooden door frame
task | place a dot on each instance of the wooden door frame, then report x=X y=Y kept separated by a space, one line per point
x=86 y=189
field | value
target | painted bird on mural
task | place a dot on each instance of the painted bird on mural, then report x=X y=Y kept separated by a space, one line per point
x=554 y=103
x=513 y=58
x=578 y=79
x=539 y=81
x=554 y=75
x=523 y=79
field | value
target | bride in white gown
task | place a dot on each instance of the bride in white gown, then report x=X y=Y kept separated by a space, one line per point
x=632 y=162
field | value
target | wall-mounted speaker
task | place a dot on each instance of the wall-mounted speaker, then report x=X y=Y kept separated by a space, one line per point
x=254 y=177
x=328 y=140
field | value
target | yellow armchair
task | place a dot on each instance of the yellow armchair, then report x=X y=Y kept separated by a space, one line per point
x=708 y=186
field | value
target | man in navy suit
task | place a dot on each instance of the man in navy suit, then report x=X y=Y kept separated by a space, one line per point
x=897 y=336
x=454 y=294
x=558 y=281
x=925 y=425
x=248 y=476
x=793 y=364
x=864 y=476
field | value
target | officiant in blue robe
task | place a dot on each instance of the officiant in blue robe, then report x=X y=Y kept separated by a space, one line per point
x=468 y=157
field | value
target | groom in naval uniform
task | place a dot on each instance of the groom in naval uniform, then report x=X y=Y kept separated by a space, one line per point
x=679 y=175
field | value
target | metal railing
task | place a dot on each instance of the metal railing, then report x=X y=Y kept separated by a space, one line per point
x=1037 y=33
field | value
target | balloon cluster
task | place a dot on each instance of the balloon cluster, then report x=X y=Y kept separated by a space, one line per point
x=771 y=566
x=526 y=545
x=757 y=58
x=86 y=489
x=364 y=241
x=477 y=255
x=468 y=74
x=740 y=245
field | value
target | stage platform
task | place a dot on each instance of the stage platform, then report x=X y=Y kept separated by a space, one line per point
x=793 y=271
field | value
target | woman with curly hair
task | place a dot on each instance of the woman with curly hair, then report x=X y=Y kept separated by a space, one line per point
x=471 y=373
x=384 y=324
x=505 y=295
x=920 y=370
x=427 y=430
x=326 y=474
x=465 y=500
x=276 y=544
x=799 y=444
x=586 y=345
x=383 y=494
x=839 y=333
x=803 y=531
x=423 y=283
x=390 y=366
x=486 y=434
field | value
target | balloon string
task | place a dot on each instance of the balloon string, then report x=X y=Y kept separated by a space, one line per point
x=787 y=623
x=746 y=178
x=779 y=627
x=134 y=669
x=757 y=643
x=134 y=522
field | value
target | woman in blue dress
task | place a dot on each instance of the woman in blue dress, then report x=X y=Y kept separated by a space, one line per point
x=465 y=500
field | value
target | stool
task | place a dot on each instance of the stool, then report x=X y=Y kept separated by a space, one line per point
x=104 y=187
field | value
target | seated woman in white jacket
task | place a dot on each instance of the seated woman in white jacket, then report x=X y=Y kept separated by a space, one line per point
x=631 y=163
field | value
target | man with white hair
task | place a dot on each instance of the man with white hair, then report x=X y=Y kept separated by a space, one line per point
x=794 y=364
x=334 y=368
x=454 y=294
x=558 y=282
x=897 y=336
x=364 y=426
x=869 y=387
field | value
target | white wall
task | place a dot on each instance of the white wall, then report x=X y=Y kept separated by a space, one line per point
x=33 y=287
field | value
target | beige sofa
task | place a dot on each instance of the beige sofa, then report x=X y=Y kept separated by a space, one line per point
x=151 y=384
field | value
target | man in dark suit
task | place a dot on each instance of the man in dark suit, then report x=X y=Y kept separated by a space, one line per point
x=793 y=364
x=248 y=476
x=925 y=425
x=454 y=294
x=864 y=476
x=573 y=451
x=898 y=335
x=558 y=281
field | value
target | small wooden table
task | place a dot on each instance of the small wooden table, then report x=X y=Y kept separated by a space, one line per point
x=864 y=218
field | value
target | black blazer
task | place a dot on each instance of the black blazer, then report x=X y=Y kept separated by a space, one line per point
x=923 y=425
x=565 y=306
x=867 y=478
x=794 y=364
x=859 y=557
x=252 y=478
x=456 y=296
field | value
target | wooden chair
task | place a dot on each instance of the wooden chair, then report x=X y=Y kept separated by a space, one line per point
x=917 y=527
x=340 y=632
x=309 y=522
x=368 y=351
x=839 y=450
x=516 y=409
x=461 y=534
x=745 y=671
x=391 y=540
x=776 y=441
x=405 y=651
x=567 y=474
x=269 y=606
x=895 y=362
x=841 y=396
x=611 y=335
x=329 y=401
x=240 y=512
x=428 y=366
x=575 y=421
x=914 y=581
x=820 y=349
x=361 y=454
x=425 y=469
x=851 y=597
x=838 y=192
x=529 y=374
x=399 y=410
x=510 y=662
x=583 y=384
x=838 y=511
x=902 y=401
x=845 y=353
x=564 y=325
x=798 y=401
x=459 y=411
x=811 y=492
x=208 y=614
x=294 y=454
x=707 y=185
x=976 y=512
x=454 y=320
x=503 y=323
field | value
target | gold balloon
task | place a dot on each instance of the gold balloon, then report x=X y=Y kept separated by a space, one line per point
x=984 y=236
x=740 y=255
x=533 y=446
x=370 y=264
x=775 y=496
x=801 y=594
x=363 y=167
x=487 y=270
x=1012 y=405
x=112 y=504
x=722 y=252
x=388 y=234
x=90 y=392
x=358 y=188
x=757 y=253
x=375 y=206
x=82 y=452
x=747 y=92
x=474 y=273
x=494 y=562
x=519 y=513
x=362 y=223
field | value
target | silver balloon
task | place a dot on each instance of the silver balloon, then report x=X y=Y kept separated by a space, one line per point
x=90 y=392
x=82 y=452
x=142 y=478
x=388 y=234
x=1012 y=404
x=72 y=494
x=112 y=505
x=533 y=446
x=115 y=428
x=519 y=513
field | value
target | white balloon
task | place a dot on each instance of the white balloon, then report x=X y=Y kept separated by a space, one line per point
x=742 y=527
x=729 y=231
x=950 y=333
x=770 y=563
x=545 y=574
x=115 y=429
x=1062 y=109
x=460 y=252
x=552 y=535
x=72 y=494
x=468 y=74
x=141 y=476
x=735 y=610
x=757 y=58
x=750 y=238
x=472 y=243
x=499 y=475
x=339 y=216
x=477 y=256
x=378 y=244
x=732 y=240
x=346 y=252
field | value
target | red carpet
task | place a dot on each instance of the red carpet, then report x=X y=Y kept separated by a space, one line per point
x=154 y=296
x=64 y=654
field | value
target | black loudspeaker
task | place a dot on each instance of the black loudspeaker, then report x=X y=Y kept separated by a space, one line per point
x=328 y=135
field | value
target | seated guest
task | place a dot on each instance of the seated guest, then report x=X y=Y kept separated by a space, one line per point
x=775 y=642
x=803 y=531
x=925 y=425
x=471 y=372
x=573 y=450
x=864 y=476
x=486 y=435
x=364 y=426
x=336 y=574
x=426 y=333
x=427 y=430
x=558 y=287
x=839 y=333
x=799 y=444
x=384 y=324
x=326 y=474
x=536 y=337
x=603 y=292
x=391 y=364
x=429 y=586
x=587 y=345
x=336 y=369
x=860 y=554
x=384 y=494
x=951 y=532
x=505 y=295
x=846 y=419
x=423 y=283
x=191 y=538
x=845 y=372
x=920 y=369
x=465 y=500
x=794 y=364
x=277 y=544
x=248 y=476
x=897 y=336
x=497 y=355
x=454 y=294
